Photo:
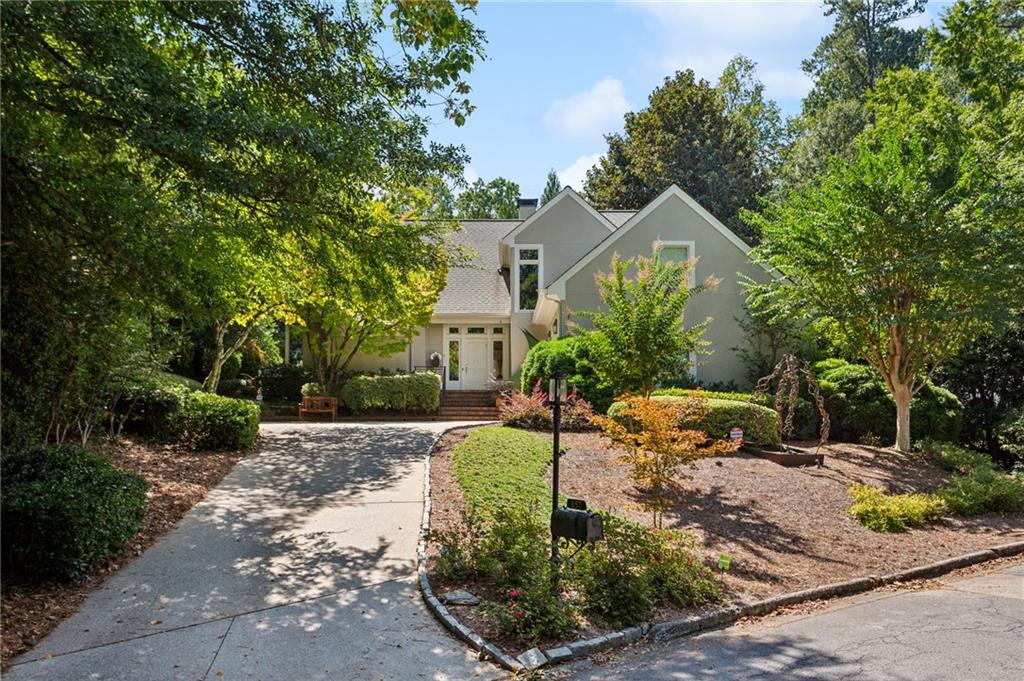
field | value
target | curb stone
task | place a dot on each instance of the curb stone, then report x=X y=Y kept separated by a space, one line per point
x=672 y=629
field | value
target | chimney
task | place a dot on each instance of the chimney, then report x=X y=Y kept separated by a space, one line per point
x=527 y=207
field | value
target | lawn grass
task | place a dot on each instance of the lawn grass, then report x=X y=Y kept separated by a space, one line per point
x=500 y=467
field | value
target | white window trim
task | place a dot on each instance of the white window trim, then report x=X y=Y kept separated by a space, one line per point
x=691 y=253
x=515 y=273
x=489 y=335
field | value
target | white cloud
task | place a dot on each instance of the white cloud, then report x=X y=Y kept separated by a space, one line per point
x=470 y=175
x=575 y=175
x=733 y=22
x=780 y=83
x=591 y=112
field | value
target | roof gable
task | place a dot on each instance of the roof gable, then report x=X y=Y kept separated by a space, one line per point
x=567 y=194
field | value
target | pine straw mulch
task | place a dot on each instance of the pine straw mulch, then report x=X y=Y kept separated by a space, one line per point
x=786 y=529
x=178 y=479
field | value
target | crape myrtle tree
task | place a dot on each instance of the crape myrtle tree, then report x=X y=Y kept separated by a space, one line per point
x=642 y=323
x=902 y=254
x=132 y=128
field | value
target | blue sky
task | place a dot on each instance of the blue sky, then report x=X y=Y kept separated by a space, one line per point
x=559 y=75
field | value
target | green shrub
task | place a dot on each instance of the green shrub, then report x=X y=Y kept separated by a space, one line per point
x=1011 y=434
x=575 y=358
x=283 y=382
x=860 y=406
x=532 y=613
x=805 y=419
x=65 y=509
x=236 y=387
x=419 y=392
x=531 y=412
x=636 y=568
x=515 y=544
x=691 y=392
x=145 y=406
x=757 y=422
x=207 y=421
x=314 y=390
x=950 y=457
x=983 y=490
x=893 y=512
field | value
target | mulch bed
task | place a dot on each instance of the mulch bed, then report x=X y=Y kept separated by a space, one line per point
x=786 y=529
x=178 y=479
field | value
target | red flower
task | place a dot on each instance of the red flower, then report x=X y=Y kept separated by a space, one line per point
x=520 y=614
x=513 y=594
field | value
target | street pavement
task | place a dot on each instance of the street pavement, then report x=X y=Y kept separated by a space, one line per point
x=969 y=629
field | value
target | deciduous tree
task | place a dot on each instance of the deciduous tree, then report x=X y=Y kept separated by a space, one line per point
x=493 y=200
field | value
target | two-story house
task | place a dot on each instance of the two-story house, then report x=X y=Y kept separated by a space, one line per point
x=533 y=272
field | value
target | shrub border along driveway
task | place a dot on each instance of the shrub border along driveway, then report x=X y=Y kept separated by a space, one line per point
x=666 y=631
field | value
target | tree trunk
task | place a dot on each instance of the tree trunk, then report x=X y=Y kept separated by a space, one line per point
x=902 y=395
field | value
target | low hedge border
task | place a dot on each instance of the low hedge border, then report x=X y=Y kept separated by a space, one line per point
x=672 y=629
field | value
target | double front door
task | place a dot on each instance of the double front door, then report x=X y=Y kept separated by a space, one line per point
x=475 y=356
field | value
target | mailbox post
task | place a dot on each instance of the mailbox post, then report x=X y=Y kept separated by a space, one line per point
x=556 y=388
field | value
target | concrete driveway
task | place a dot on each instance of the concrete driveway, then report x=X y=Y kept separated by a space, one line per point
x=970 y=629
x=299 y=565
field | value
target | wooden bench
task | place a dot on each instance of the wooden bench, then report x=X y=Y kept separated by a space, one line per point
x=318 y=405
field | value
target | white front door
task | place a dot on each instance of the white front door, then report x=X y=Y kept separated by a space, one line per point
x=474 y=364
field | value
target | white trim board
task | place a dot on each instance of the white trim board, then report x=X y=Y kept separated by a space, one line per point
x=515 y=273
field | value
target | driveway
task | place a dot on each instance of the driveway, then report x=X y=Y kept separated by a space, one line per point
x=299 y=565
x=971 y=628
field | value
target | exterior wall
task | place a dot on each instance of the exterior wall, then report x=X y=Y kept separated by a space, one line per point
x=717 y=256
x=567 y=230
x=517 y=339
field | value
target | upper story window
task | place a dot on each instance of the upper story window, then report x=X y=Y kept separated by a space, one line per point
x=527 y=277
x=679 y=251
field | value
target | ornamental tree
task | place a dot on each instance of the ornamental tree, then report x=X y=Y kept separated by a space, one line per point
x=642 y=321
x=656 y=447
x=888 y=251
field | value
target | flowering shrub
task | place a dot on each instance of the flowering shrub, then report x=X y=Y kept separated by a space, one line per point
x=532 y=613
x=518 y=410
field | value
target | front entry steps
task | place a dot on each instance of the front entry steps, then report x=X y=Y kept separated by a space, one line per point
x=468 y=405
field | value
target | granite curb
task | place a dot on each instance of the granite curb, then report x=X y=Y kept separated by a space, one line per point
x=672 y=629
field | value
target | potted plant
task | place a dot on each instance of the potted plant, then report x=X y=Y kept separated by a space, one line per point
x=435 y=359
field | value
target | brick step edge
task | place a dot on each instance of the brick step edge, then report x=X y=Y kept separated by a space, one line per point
x=672 y=629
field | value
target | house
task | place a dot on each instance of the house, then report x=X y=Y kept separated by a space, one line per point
x=529 y=274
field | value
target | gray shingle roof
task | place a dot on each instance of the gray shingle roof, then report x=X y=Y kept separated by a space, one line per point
x=482 y=287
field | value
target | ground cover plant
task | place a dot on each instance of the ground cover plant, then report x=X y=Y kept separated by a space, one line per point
x=503 y=544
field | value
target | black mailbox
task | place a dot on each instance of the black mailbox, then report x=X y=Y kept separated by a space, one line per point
x=576 y=525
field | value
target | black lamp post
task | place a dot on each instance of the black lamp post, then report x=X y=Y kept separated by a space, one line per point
x=557 y=387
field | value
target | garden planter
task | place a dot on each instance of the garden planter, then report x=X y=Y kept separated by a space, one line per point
x=785 y=455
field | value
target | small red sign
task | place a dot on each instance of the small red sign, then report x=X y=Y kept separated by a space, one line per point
x=736 y=434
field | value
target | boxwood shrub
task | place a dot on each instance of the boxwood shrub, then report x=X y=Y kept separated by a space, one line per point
x=419 y=392
x=65 y=509
x=283 y=382
x=757 y=421
x=860 y=406
x=208 y=421
x=574 y=357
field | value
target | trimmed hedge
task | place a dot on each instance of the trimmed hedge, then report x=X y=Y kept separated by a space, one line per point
x=574 y=357
x=860 y=406
x=207 y=421
x=65 y=509
x=147 y=405
x=419 y=392
x=757 y=421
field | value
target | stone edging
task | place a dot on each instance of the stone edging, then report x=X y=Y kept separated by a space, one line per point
x=666 y=631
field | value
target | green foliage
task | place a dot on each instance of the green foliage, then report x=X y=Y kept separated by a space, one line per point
x=65 y=509
x=977 y=485
x=502 y=468
x=283 y=382
x=519 y=410
x=237 y=387
x=207 y=421
x=551 y=188
x=893 y=513
x=314 y=390
x=987 y=375
x=492 y=200
x=643 y=334
x=636 y=568
x=157 y=156
x=419 y=392
x=770 y=336
x=859 y=405
x=575 y=357
x=698 y=392
x=1011 y=433
x=757 y=421
x=690 y=136
x=145 y=406
x=530 y=614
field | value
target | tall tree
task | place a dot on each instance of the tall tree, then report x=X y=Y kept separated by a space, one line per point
x=493 y=200
x=685 y=136
x=866 y=41
x=642 y=323
x=887 y=251
x=131 y=128
x=551 y=188
x=749 y=110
